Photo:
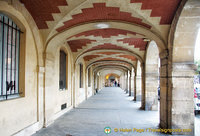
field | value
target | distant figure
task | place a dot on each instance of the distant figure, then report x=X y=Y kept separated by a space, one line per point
x=118 y=85
x=159 y=93
x=115 y=83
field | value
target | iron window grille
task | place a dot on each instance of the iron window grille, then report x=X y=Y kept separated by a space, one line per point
x=62 y=72
x=9 y=58
x=89 y=78
x=81 y=75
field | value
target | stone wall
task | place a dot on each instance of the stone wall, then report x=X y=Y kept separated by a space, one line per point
x=17 y=114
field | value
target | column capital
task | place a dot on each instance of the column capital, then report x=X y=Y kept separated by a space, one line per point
x=142 y=65
x=164 y=54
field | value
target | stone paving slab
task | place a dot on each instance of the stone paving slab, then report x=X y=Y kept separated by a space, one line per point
x=109 y=108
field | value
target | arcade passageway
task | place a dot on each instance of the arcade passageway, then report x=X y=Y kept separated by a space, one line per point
x=110 y=107
x=55 y=55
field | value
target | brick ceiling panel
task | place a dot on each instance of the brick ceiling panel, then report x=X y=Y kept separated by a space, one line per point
x=101 y=12
x=160 y=8
x=136 y=42
x=41 y=10
x=109 y=59
x=107 y=53
x=112 y=63
x=105 y=33
x=108 y=46
x=78 y=44
x=132 y=58
x=89 y=57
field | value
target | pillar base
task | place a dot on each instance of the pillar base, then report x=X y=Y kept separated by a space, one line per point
x=138 y=97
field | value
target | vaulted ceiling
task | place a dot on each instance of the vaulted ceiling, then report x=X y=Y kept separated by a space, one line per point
x=105 y=32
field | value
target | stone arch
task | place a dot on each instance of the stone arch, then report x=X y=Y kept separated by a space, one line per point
x=109 y=77
x=96 y=51
x=151 y=77
x=62 y=36
x=106 y=61
x=124 y=81
x=106 y=71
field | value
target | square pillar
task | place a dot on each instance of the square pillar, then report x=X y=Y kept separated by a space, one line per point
x=130 y=83
x=41 y=101
x=164 y=105
x=143 y=87
x=138 y=88
x=135 y=93
x=176 y=95
x=181 y=99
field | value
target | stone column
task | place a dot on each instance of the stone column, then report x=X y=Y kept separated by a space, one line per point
x=101 y=82
x=122 y=82
x=86 y=84
x=130 y=83
x=164 y=106
x=98 y=83
x=127 y=82
x=176 y=95
x=73 y=86
x=95 y=83
x=135 y=85
x=138 y=88
x=143 y=86
x=181 y=97
x=41 y=100
x=92 y=83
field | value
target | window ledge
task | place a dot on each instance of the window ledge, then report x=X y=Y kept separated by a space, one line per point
x=9 y=97
x=63 y=90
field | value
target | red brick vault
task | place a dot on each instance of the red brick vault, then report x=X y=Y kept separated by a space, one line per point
x=129 y=29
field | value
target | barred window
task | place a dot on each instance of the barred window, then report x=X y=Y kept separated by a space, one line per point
x=89 y=77
x=9 y=58
x=63 y=71
x=81 y=76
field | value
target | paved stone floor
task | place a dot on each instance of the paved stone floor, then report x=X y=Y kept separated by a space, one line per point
x=109 y=108
x=197 y=125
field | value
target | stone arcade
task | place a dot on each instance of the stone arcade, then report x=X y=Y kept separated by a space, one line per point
x=70 y=49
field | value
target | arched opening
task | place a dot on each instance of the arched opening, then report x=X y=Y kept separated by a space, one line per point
x=111 y=80
x=138 y=82
x=133 y=82
x=151 y=77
